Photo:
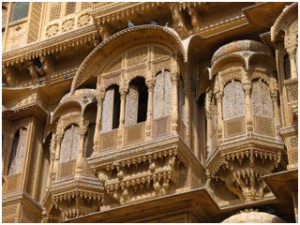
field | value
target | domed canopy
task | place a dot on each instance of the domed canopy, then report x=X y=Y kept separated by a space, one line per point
x=253 y=217
x=238 y=46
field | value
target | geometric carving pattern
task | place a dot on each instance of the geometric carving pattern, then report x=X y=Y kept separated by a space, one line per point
x=70 y=8
x=293 y=150
x=67 y=169
x=86 y=5
x=161 y=126
x=13 y=183
x=162 y=102
x=108 y=140
x=135 y=133
x=36 y=10
x=18 y=152
x=261 y=101
x=234 y=126
x=70 y=144
x=292 y=91
x=54 y=11
x=264 y=125
x=132 y=101
x=233 y=100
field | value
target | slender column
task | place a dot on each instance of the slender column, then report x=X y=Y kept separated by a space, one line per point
x=292 y=57
x=150 y=85
x=209 y=134
x=174 y=78
x=80 y=158
x=187 y=118
x=121 y=130
x=248 y=113
x=274 y=95
x=56 y=161
x=219 y=109
x=98 y=123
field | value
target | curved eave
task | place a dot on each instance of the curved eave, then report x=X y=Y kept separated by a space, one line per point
x=93 y=61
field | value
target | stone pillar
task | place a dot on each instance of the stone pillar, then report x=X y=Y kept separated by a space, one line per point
x=121 y=130
x=187 y=108
x=274 y=95
x=218 y=95
x=209 y=134
x=174 y=120
x=98 y=122
x=150 y=85
x=248 y=112
x=292 y=57
x=80 y=158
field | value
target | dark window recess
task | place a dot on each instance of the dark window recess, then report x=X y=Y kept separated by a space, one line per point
x=143 y=98
x=19 y=11
x=287 y=67
x=89 y=141
x=117 y=103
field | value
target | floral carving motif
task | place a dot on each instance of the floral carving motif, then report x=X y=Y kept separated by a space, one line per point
x=52 y=30
x=68 y=25
x=83 y=20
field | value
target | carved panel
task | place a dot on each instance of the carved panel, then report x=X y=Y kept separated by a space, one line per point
x=68 y=25
x=13 y=183
x=34 y=24
x=162 y=65
x=233 y=100
x=8 y=213
x=108 y=108
x=70 y=144
x=54 y=11
x=70 y=7
x=161 y=126
x=264 y=125
x=52 y=30
x=160 y=53
x=293 y=151
x=108 y=140
x=115 y=65
x=86 y=5
x=137 y=56
x=261 y=101
x=67 y=169
x=292 y=91
x=132 y=101
x=84 y=19
x=234 y=126
x=16 y=36
x=162 y=96
x=135 y=133
x=18 y=152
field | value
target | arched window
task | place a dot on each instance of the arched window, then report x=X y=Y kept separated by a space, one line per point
x=89 y=141
x=162 y=102
x=136 y=102
x=261 y=100
x=70 y=144
x=233 y=100
x=19 y=11
x=111 y=109
x=17 y=152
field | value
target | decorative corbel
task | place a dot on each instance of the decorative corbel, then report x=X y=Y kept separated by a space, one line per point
x=33 y=72
x=178 y=20
x=105 y=31
x=48 y=63
x=194 y=16
x=10 y=74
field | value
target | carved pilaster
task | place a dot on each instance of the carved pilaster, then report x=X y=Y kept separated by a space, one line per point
x=248 y=113
x=174 y=120
x=219 y=110
x=121 y=130
x=150 y=85
x=59 y=137
x=292 y=57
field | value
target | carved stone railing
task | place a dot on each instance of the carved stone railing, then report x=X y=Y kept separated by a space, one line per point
x=12 y=183
x=234 y=127
x=161 y=126
x=264 y=126
x=66 y=170
x=108 y=140
x=293 y=150
x=135 y=133
x=68 y=23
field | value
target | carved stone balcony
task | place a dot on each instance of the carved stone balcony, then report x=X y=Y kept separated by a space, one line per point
x=291 y=87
